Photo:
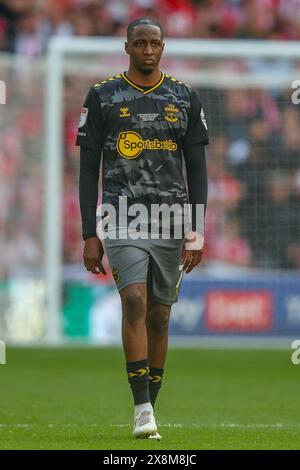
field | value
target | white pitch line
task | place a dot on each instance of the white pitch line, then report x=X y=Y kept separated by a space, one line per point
x=167 y=425
x=163 y=425
x=276 y=425
x=15 y=425
x=223 y=425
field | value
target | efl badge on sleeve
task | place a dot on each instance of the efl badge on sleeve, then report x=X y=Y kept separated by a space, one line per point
x=83 y=117
x=202 y=115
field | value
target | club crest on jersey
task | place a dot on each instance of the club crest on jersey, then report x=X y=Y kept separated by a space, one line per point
x=83 y=117
x=124 y=112
x=171 y=113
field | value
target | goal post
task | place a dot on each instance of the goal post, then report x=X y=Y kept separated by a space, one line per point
x=66 y=53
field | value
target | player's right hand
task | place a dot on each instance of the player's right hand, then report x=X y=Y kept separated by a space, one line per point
x=192 y=251
x=92 y=255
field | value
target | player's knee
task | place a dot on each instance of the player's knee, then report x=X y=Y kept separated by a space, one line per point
x=134 y=306
x=158 y=319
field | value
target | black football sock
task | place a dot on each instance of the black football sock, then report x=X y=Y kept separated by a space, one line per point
x=155 y=380
x=138 y=378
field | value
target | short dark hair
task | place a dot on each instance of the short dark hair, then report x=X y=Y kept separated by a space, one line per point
x=141 y=21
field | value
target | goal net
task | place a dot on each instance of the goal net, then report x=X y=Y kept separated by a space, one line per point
x=248 y=283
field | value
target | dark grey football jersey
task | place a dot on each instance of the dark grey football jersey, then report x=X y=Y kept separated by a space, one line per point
x=141 y=134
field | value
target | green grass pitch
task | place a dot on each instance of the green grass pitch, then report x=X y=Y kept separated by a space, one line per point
x=211 y=399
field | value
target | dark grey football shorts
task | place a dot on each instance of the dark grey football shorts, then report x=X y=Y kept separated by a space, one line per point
x=157 y=262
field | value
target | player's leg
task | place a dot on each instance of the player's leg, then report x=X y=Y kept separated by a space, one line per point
x=158 y=316
x=134 y=333
x=164 y=277
x=129 y=265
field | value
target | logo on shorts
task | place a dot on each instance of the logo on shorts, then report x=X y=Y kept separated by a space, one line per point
x=171 y=113
x=116 y=274
x=130 y=144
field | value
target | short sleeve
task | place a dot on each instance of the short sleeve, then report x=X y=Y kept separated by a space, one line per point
x=90 y=127
x=197 y=128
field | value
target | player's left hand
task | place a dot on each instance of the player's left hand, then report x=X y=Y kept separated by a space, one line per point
x=192 y=251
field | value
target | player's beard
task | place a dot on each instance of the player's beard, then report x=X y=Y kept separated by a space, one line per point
x=147 y=71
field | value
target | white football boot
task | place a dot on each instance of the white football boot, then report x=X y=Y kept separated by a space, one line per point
x=144 y=421
x=155 y=436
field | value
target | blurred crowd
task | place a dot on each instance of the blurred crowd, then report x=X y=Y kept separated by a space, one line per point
x=253 y=216
x=26 y=25
x=254 y=178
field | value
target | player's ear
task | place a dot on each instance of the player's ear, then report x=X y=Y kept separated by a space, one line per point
x=126 y=47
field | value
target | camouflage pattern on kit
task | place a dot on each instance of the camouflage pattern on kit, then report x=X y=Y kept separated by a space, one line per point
x=153 y=124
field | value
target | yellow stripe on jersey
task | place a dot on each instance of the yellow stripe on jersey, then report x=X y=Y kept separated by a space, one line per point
x=107 y=80
x=141 y=89
x=173 y=79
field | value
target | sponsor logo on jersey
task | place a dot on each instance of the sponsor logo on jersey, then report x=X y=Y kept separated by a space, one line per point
x=171 y=113
x=130 y=144
x=83 y=117
x=124 y=112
